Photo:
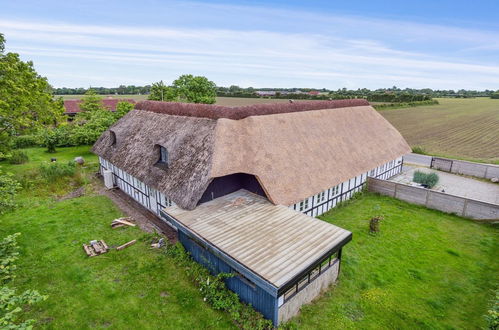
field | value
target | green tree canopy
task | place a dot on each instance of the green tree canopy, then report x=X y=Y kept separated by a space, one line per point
x=195 y=89
x=122 y=108
x=187 y=88
x=161 y=92
x=26 y=101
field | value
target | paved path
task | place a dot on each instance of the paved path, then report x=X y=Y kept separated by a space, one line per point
x=454 y=184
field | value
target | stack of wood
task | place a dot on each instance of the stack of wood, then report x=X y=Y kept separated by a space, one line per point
x=95 y=248
x=125 y=221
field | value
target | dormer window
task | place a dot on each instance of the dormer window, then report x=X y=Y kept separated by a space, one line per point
x=112 y=138
x=163 y=155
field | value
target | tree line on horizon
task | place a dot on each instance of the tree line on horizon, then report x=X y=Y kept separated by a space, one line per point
x=324 y=93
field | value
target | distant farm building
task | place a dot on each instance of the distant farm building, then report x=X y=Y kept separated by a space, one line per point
x=72 y=107
x=242 y=185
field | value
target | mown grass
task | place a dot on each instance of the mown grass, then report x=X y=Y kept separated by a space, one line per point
x=457 y=128
x=424 y=270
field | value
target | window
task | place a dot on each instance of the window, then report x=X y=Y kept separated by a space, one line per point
x=163 y=155
x=335 y=190
x=321 y=197
x=372 y=172
x=290 y=292
x=304 y=205
x=112 y=138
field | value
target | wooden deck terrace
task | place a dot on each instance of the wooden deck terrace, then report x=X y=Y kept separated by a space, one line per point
x=273 y=241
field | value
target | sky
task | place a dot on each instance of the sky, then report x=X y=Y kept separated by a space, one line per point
x=435 y=44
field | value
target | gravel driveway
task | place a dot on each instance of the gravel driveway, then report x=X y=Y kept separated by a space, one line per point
x=454 y=184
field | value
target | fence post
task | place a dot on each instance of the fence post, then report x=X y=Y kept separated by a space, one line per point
x=427 y=198
x=465 y=206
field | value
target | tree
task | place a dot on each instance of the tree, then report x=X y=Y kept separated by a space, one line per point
x=26 y=101
x=161 y=92
x=122 y=108
x=195 y=89
x=91 y=102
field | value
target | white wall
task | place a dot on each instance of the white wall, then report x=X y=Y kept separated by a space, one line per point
x=145 y=195
x=329 y=198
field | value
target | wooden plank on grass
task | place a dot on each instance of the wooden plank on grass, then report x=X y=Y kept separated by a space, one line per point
x=125 y=222
x=121 y=247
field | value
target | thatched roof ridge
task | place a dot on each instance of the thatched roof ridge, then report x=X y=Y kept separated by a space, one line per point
x=240 y=112
x=293 y=155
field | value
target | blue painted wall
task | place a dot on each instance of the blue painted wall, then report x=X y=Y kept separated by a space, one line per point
x=260 y=299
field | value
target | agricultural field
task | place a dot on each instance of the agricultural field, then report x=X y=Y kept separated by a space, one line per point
x=226 y=101
x=418 y=272
x=456 y=128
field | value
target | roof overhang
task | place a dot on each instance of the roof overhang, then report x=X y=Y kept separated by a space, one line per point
x=275 y=244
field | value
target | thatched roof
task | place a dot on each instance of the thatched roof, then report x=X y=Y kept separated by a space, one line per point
x=293 y=153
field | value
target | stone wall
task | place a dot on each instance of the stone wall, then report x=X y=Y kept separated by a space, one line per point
x=291 y=307
x=461 y=206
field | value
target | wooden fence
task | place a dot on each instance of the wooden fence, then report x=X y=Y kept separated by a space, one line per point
x=465 y=207
x=487 y=171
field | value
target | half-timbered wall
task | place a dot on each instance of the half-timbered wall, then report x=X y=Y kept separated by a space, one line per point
x=148 y=197
x=329 y=198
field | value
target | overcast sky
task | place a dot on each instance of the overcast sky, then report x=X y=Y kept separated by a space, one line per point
x=354 y=44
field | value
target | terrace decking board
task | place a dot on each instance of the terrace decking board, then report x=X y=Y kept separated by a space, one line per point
x=275 y=242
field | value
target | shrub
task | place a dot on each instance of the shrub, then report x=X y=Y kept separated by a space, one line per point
x=18 y=157
x=492 y=316
x=11 y=303
x=427 y=179
x=55 y=170
x=216 y=293
x=419 y=150
x=8 y=190
x=49 y=138
x=25 y=141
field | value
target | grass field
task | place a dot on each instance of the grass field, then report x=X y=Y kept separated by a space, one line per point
x=425 y=269
x=456 y=128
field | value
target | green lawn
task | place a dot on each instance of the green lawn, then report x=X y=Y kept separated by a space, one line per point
x=136 y=288
x=425 y=269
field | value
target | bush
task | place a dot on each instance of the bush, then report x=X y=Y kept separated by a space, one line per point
x=11 y=303
x=55 y=170
x=426 y=179
x=419 y=150
x=8 y=190
x=216 y=293
x=492 y=316
x=25 y=141
x=18 y=157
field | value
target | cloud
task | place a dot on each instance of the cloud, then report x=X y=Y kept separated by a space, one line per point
x=331 y=56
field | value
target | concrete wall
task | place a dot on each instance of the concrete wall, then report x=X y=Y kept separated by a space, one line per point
x=291 y=307
x=417 y=159
x=464 y=207
x=487 y=171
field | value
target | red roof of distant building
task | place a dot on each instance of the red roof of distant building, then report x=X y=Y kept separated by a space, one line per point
x=73 y=106
x=313 y=93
